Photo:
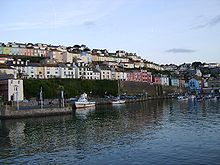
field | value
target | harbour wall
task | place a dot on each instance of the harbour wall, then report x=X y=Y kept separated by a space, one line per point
x=153 y=90
x=9 y=112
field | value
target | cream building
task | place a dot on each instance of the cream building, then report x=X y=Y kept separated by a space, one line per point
x=12 y=89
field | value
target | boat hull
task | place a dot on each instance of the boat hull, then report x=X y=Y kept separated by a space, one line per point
x=118 y=102
x=84 y=104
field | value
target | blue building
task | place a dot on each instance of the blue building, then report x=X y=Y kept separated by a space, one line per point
x=194 y=86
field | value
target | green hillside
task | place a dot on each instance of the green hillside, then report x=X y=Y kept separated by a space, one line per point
x=72 y=87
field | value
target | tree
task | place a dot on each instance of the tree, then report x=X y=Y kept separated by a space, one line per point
x=196 y=64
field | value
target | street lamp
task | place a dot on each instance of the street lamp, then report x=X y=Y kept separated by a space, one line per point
x=62 y=98
x=16 y=94
x=41 y=98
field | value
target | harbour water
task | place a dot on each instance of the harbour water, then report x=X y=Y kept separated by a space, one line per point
x=151 y=132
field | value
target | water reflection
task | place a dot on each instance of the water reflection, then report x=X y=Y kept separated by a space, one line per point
x=93 y=132
x=83 y=113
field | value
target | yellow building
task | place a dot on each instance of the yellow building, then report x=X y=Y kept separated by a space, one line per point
x=40 y=72
x=6 y=50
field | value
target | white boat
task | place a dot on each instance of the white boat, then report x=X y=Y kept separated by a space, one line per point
x=215 y=98
x=118 y=101
x=83 y=102
x=183 y=98
x=191 y=97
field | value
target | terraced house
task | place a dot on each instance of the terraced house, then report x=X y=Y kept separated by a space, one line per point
x=43 y=61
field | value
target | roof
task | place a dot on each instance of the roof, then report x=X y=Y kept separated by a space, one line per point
x=119 y=70
x=50 y=65
x=104 y=67
x=62 y=65
x=49 y=61
x=95 y=70
x=34 y=64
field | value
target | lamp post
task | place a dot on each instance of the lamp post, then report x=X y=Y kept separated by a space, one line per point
x=16 y=95
x=62 y=99
x=41 y=98
x=61 y=96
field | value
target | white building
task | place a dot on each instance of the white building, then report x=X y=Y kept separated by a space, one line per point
x=12 y=89
x=106 y=73
x=86 y=73
x=96 y=74
x=164 y=80
x=8 y=70
x=18 y=65
x=120 y=75
x=127 y=65
x=67 y=71
x=51 y=71
x=33 y=70
x=198 y=73
x=120 y=53
x=212 y=65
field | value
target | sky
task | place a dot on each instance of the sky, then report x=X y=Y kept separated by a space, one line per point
x=161 y=31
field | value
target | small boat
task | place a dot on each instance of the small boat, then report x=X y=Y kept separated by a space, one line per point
x=183 y=98
x=199 y=98
x=118 y=101
x=215 y=98
x=192 y=97
x=83 y=102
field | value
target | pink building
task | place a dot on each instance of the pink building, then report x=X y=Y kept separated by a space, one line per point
x=146 y=76
x=134 y=76
x=182 y=83
x=29 y=52
x=29 y=49
x=139 y=76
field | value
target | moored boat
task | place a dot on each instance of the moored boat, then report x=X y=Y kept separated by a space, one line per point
x=192 y=97
x=183 y=98
x=83 y=102
x=215 y=98
x=117 y=101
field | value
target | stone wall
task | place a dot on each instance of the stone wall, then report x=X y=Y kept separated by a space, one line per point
x=11 y=112
x=134 y=88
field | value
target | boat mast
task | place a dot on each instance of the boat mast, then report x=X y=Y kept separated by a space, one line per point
x=118 y=87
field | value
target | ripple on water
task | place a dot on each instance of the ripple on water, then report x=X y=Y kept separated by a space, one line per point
x=153 y=132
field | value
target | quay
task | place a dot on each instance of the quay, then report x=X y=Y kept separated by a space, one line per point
x=10 y=112
x=101 y=102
